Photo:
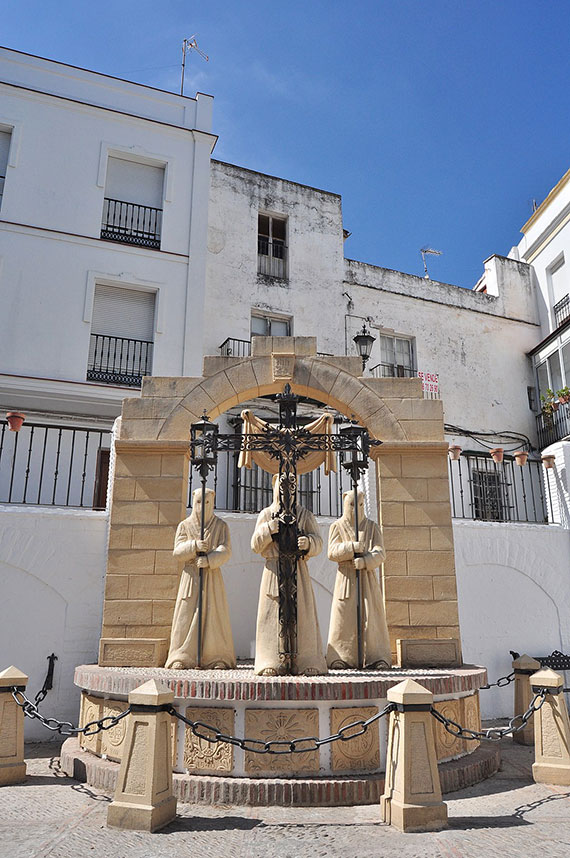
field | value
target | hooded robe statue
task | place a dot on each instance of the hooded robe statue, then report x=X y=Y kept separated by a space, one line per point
x=309 y=659
x=217 y=642
x=342 y=648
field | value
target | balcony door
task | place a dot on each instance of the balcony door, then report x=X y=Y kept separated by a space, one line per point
x=120 y=348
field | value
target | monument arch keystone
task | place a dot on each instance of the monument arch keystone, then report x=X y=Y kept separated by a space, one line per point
x=150 y=487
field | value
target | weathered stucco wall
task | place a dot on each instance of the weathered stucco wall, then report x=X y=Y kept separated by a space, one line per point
x=52 y=566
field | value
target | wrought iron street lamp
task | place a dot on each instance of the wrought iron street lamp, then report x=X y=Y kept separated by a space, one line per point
x=364 y=342
x=203 y=457
x=354 y=458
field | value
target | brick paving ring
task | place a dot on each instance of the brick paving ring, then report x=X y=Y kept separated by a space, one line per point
x=239 y=703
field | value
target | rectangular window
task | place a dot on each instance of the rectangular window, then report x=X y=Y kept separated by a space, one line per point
x=121 y=344
x=395 y=357
x=270 y=326
x=132 y=208
x=272 y=246
x=5 y=137
x=488 y=495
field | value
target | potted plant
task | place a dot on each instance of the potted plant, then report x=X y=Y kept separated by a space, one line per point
x=521 y=456
x=549 y=406
x=497 y=455
x=563 y=395
x=454 y=452
x=548 y=461
x=15 y=420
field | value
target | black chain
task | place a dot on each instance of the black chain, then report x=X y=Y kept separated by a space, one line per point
x=281 y=746
x=500 y=683
x=493 y=734
x=48 y=681
x=66 y=728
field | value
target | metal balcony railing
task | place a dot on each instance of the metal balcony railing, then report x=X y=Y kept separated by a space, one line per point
x=271 y=257
x=553 y=427
x=50 y=465
x=131 y=223
x=562 y=310
x=119 y=360
x=484 y=490
x=392 y=370
x=235 y=348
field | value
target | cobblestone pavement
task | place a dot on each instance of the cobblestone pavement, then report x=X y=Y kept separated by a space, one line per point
x=508 y=815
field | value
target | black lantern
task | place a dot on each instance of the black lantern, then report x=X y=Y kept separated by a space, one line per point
x=364 y=342
x=355 y=458
x=203 y=447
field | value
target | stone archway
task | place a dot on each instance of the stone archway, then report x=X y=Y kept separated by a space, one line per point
x=151 y=477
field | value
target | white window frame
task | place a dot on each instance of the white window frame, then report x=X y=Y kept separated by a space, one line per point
x=394 y=336
x=269 y=317
x=285 y=258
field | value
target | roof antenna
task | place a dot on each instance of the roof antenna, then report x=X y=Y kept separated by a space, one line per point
x=190 y=45
x=424 y=252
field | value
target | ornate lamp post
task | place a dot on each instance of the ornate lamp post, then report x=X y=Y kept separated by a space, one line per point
x=364 y=342
x=354 y=458
x=203 y=457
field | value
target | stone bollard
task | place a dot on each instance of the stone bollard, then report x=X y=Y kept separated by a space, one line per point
x=412 y=793
x=12 y=765
x=143 y=799
x=552 y=732
x=524 y=666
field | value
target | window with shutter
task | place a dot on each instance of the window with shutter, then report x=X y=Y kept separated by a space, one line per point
x=272 y=246
x=120 y=348
x=5 y=138
x=132 y=209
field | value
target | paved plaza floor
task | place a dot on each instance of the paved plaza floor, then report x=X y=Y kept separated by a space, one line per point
x=507 y=815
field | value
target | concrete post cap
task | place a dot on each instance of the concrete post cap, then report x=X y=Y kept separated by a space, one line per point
x=526 y=662
x=151 y=694
x=547 y=678
x=409 y=692
x=12 y=676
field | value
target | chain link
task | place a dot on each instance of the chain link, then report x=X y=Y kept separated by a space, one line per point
x=493 y=734
x=66 y=728
x=281 y=746
x=500 y=683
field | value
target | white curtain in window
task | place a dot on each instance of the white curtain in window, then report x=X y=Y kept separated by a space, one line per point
x=5 y=137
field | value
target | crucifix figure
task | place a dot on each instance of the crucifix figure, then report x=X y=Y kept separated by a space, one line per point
x=288 y=533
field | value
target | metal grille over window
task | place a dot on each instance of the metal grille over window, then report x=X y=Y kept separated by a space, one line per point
x=485 y=490
x=132 y=208
x=271 y=246
x=121 y=344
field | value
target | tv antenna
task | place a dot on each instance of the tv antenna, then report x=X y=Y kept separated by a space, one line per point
x=424 y=252
x=190 y=45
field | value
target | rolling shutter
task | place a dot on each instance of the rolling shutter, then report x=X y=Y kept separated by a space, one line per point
x=132 y=182
x=123 y=313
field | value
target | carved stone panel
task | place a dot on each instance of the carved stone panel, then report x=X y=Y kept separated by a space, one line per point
x=446 y=745
x=283 y=367
x=8 y=726
x=282 y=724
x=471 y=718
x=112 y=740
x=361 y=754
x=201 y=756
x=91 y=710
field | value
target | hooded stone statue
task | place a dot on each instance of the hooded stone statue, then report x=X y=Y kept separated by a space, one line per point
x=217 y=642
x=309 y=659
x=342 y=648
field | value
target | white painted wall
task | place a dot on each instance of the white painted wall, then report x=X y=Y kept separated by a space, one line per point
x=52 y=567
x=65 y=123
x=513 y=592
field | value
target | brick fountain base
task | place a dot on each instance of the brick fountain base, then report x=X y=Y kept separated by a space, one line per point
x=239 y=703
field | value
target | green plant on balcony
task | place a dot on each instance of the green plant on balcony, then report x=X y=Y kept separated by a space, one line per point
x=549 y=406
x=563 y=395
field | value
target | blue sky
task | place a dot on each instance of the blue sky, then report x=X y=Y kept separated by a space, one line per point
x=439 y=121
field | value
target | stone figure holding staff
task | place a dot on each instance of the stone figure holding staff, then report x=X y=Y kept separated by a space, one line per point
x=358 y=554
x=201 y=632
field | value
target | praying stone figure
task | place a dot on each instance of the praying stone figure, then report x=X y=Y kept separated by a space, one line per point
x=309 y=659
x=217 y=642
x=342 y=648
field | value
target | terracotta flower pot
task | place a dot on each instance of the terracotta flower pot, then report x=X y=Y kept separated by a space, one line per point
x=548 y=461
x=454 y=452
x=497 y=455
x=15 y=420
x=521 y=456
x=555 y=406
x=563 y=399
